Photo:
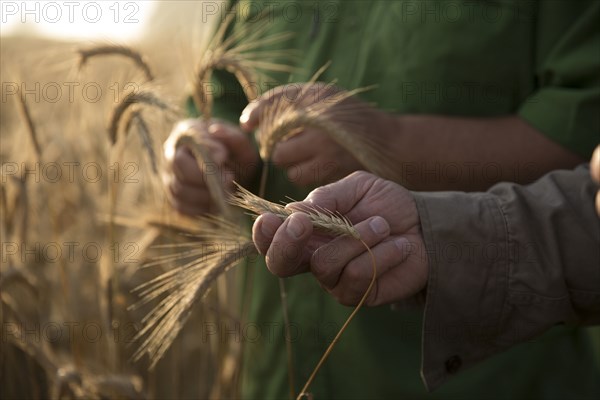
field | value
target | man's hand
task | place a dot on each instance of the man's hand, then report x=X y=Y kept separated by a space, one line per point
x=233 y=157
x=311 y=156
x=386 y=217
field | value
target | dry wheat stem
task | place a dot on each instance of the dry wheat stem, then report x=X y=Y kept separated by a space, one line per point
x=6 y=211
x=304 y=391
x=37 y=350
x=144 y=132
x=120 y=50
x=66 y=376
x=26 y=114
x=172 y=221
x=144 y=97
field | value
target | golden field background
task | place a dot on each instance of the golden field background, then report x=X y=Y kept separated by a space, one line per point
x=67 y=272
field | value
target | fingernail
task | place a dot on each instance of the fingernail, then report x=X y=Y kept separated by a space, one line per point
x=402 y=244
x=267 y=229
x=379 y=225
x=294 y=228
x=245 y=117
x=213 y=128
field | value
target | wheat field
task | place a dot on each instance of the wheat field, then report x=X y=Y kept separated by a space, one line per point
x=82 y=214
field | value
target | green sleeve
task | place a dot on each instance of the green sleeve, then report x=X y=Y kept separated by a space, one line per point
x=229 y=99
x=566 y=105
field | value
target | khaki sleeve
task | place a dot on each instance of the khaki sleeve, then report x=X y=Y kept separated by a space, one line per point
x=505 y=266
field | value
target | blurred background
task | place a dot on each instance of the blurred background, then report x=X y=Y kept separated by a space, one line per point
x=74 y=238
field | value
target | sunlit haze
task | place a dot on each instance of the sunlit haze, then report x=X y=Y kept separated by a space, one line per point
x=121 y=21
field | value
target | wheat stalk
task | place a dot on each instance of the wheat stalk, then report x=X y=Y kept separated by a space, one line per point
x=240 y=55
x=221 y=246
x=145 y=97
x=144 y=132
x=120 y=50
x=321 y=219
x=31 y=129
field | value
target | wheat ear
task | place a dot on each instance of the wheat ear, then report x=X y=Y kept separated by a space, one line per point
x=144 y=132
x=221 y=246
x=124 y=51
x=31 y=129
x=240 y=55
x=144 y=97
x=323 y=220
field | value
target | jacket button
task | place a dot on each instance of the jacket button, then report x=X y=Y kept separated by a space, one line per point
x=453 y=364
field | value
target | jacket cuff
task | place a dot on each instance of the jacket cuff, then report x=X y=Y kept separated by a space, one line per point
x=467 y=247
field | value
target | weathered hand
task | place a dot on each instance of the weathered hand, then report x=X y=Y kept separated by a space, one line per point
x=233 y=157
x=311 y=157
x=385 y=215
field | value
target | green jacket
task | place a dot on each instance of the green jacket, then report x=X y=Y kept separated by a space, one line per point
x=537 y=59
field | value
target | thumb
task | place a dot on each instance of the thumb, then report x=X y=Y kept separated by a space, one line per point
x=341 y=196
x=249 y=118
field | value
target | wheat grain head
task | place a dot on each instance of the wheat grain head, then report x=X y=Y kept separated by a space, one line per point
x=85 y=54
x=141 y=97
x=241 y=55
x=220 y=246
x=323 y=220
x=135 y=116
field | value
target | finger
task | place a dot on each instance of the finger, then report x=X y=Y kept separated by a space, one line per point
x=193 y=127
x=329 y=261
x=250 y=117
x=180 y=128
x=340 y=196
x=296 y=149
x=193 y=171
x=194 y=196
x=189 y=208
x=263 y=231
x=358 y=273
x=243 y=155
x=286 y=255
x=302 y=174
x=409 y=279
x=185 y=167
x=188 y=193
x=595 y=165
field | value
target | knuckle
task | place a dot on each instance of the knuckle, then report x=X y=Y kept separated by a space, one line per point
x=346 y=299
x=354 y=272
x=177 y=188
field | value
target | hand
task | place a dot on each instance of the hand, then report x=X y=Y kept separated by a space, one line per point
x=311 y=157
x=233 y=157
x=386 y=217
x=595 y=172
